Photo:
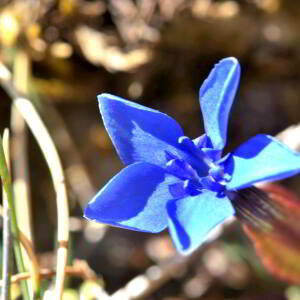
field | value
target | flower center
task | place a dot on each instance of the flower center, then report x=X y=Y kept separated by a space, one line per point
x=192 y=183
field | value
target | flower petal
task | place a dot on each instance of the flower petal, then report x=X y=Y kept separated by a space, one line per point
x=262 y=158
x=139 y=133
x=191 y=218
x=134 y=199
x=216 y=97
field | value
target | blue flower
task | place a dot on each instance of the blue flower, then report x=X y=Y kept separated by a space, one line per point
x=175 y=182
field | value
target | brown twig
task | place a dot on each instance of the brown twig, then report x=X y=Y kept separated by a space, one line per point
x=27 y=244
x=79 y=270
x=156 y=276
x=35 y=270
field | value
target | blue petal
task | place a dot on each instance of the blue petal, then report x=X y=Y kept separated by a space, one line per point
x=134 y=199
x=139 y=133
x=216 y=97
x=262 y=158
x=192 y=218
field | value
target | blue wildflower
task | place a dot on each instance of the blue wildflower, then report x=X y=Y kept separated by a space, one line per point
x=179 y=183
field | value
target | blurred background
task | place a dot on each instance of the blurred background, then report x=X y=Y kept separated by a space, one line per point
x=63 y=53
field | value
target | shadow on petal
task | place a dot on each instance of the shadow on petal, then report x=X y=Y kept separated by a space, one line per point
x=139 y=133
x=192 y=218
x=261 y=158
x=134 y=199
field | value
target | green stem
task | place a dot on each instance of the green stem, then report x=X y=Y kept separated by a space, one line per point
x=7 y=247
x=6 y=181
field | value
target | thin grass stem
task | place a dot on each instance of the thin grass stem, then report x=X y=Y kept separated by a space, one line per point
x=20 y=167
x=7 y=237
x=51 y=156
x=7 y=186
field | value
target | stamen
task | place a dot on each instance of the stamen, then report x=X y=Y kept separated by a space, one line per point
x=217 y=173
x=185 y=188
x=181 y=169
x=203 y=142
x=213 y=154
x=170 y=155
x=192 y=187
x=210 y=183
x=189 y=146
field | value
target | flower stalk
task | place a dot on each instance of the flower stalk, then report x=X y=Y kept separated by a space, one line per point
x=7 y=246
